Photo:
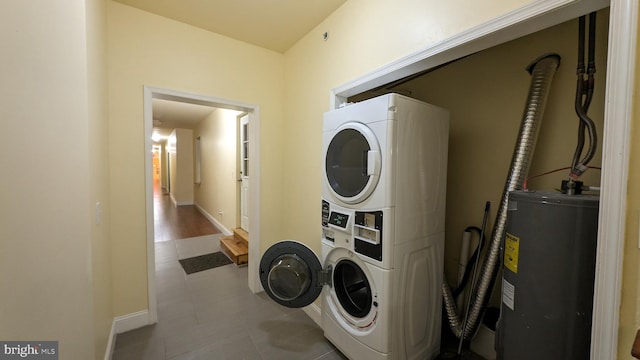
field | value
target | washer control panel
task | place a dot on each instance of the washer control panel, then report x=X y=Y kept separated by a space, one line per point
x=337 y=225
x=359 y=231
x=339 y=220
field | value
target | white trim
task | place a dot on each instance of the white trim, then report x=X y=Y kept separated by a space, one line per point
x=148 y=175
x=111 y=342
x=132 y=321
x=618 y=99
x=314 y=312
x=177 y=203
x=623 y=32
x=535 y=16
x=213 y=220
x=180 y=203
x=255 y=202
x=253 y=110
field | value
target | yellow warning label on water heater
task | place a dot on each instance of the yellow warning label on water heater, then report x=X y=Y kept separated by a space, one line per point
x=511 y=250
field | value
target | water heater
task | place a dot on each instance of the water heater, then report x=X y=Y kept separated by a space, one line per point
x=549 y=255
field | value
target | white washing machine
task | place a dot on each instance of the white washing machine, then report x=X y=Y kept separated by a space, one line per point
x=383 y=205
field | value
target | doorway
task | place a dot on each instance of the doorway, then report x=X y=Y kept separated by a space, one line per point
x=253 y=115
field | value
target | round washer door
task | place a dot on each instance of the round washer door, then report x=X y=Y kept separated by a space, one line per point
x=352 y=163
x=289 y=273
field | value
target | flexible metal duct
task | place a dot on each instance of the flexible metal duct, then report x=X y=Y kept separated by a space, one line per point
x=542 y=71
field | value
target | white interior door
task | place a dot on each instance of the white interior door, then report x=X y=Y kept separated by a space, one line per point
x=244 y=172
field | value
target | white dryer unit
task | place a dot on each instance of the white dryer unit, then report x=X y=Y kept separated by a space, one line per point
x=379 y=152
x=383 y=205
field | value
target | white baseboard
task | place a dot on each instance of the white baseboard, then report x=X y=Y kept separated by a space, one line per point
x=215 y=221
x=131 y=321
x=111 y=342
x=314 y=312
x=177 y=203
x=123 y=324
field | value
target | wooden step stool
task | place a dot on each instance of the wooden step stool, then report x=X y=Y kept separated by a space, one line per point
x=236 y=246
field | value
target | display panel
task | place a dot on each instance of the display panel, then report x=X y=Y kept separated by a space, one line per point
x=339 y=219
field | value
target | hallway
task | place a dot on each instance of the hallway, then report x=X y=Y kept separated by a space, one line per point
x=212 y=314
x=181 y=222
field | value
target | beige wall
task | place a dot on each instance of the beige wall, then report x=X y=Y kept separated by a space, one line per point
x=172 y=156
x=145 y=49
x=219 y=186
x=163 y=165
x=181 y=152
x=54 y=266
x=99 y=174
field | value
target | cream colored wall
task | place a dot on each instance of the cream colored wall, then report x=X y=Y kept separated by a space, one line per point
x=145 y=49
x=51 y=87
x=164 y=174
x=219 y=186
x=173 y=160
x=182 y=167
x=185 y=166
x=99 y=174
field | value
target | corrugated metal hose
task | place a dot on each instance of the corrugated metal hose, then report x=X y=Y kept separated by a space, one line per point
x=542 y=71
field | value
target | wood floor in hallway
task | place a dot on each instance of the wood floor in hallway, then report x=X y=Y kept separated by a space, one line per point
x=171 y=222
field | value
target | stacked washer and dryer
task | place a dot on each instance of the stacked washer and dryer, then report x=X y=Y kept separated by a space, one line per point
x=383 y=210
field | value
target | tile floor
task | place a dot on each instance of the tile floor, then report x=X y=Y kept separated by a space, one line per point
x=213 y=315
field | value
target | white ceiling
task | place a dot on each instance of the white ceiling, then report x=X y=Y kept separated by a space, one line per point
x=271 y=24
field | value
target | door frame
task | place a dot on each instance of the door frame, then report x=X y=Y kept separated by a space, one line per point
x=253 y=110
x=621 y=61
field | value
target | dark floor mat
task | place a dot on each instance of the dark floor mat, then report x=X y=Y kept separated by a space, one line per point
x=204 y=262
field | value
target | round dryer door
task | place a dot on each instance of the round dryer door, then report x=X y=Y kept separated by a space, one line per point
x=291 y=274
x=352 y=163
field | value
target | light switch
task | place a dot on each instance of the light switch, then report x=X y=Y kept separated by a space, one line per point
x=98 y=213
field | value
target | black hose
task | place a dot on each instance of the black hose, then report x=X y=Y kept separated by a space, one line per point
x=592 y=44
x=584 y=96
x=591 y=68
x=591 y=130
x=581 y=25
x=472 y=259
x=581 y=125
